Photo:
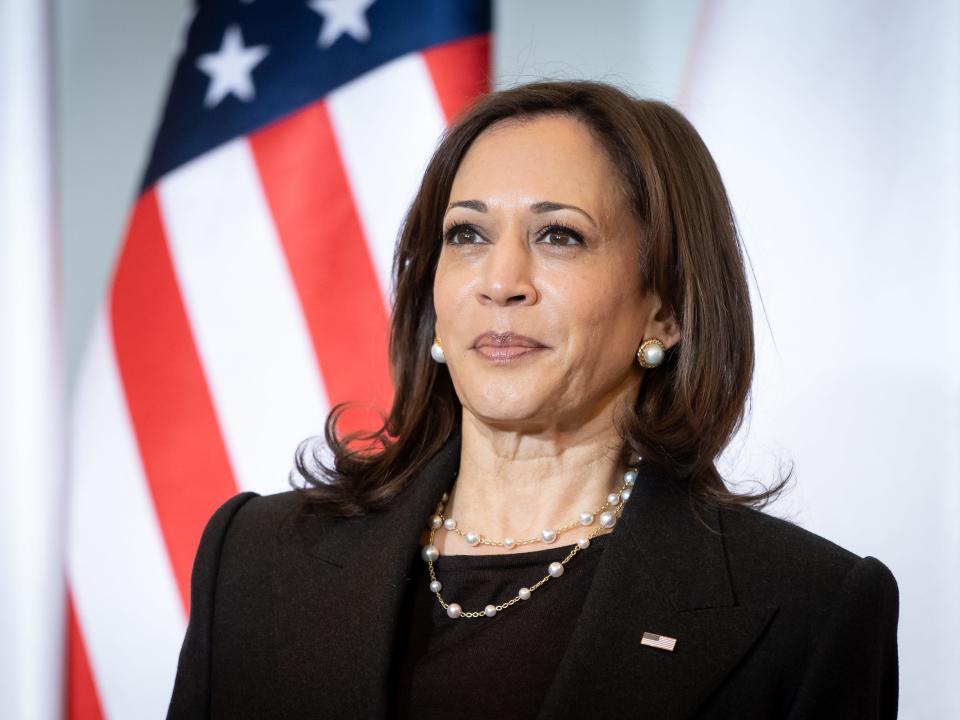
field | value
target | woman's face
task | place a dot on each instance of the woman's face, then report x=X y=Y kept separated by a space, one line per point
x=539 y=242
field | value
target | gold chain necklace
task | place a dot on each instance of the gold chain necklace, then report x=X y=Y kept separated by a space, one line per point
x=609 y=514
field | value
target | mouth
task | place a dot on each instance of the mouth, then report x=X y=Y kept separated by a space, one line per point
x=505 y=347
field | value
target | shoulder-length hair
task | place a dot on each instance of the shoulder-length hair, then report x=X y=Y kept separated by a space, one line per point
x=690 y=255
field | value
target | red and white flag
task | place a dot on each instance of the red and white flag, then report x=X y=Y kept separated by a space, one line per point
x=251 y=294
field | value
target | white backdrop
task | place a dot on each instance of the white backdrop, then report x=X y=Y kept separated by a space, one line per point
x=835 y=127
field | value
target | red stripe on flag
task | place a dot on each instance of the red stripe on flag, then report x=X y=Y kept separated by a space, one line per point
x=83 y=702
x=460 y=71
x=187 y=467
x=313 y=209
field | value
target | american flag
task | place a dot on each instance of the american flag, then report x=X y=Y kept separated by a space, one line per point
x=661 y=642
x=251 y=294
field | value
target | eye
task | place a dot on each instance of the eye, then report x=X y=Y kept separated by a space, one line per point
x=556 y=234
x=462 y=234
x=561 y=236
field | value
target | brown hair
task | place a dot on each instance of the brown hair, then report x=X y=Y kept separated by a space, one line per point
x=686 y=411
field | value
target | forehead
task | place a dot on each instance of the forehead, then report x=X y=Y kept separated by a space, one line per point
x=550 y=157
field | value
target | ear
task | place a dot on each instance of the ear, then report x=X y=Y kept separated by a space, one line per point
x=661 y=324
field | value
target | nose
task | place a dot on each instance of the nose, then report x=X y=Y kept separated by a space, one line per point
x=507 y=273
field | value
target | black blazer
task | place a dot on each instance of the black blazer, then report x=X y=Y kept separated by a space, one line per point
x=296 y=618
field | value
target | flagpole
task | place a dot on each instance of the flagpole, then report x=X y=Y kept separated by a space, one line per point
x=32 y=503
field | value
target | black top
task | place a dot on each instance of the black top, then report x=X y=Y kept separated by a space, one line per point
x=498 y=667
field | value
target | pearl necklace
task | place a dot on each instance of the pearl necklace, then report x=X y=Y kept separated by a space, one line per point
x=609 y=514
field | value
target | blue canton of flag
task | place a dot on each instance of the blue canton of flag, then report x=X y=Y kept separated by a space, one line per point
x=260 y=60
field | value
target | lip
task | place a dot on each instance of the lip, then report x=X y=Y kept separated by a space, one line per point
x=508 y=339
x=505 y=347
x=503 y=355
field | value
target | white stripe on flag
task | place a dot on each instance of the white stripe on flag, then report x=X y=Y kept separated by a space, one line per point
x=246 y=318
x=127 y=603
x=387 y=124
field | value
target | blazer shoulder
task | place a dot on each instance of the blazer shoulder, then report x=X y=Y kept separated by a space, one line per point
x=256 y=519
x=784 y=535
x=216 y=530
x=770 y=553
x=834 y=632
x=252 y=533
x=264 y=510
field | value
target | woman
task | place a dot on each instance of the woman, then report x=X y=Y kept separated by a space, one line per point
x=540 y=530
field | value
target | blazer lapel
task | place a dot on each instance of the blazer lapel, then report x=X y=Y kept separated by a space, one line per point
x=664 y=572
x=339 y=589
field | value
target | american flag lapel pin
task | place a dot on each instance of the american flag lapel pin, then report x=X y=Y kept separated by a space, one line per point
x=661 y=642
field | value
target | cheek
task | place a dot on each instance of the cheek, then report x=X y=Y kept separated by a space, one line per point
x=602 y=311
x=450 y=288
x=603 y=351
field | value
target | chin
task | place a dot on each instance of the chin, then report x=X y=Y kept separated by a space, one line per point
x=503 y=412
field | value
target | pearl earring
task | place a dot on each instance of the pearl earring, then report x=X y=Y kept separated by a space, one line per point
x=651 y=353
x=436 y=351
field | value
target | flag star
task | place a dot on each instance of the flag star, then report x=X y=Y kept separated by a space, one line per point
x=230 y=68
x=342 y=16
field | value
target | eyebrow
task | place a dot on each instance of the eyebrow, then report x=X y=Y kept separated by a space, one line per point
x=544 y=206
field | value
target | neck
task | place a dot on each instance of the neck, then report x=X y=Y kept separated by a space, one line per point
x=515 y=484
